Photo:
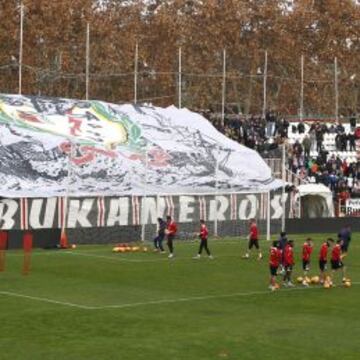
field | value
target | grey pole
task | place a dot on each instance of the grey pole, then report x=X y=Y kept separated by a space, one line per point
x=21 y=46
x=136 y=72
x=336 y=90
x=180 y=79
x=302 y=89
x=223 y=89
x=265 y=85
x=87 y=61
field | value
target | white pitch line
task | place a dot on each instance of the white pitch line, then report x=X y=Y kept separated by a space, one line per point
x=207 y=297
x=51 y=301
x=153 y=302
x=119 y=258
x=113 y=258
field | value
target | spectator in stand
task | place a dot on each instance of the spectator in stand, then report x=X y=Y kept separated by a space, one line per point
x=351 y=138
x=340 y=128
x=286 y=127
x=353 y=122
x=338 y=142
x=270 y=124
x=332 y=129
x=307 y=146
x=314 y=167
x=357 y=133
x=343 y=142
x=333 y=181
x=319 y=138
x=301 y=127
x=356 y=189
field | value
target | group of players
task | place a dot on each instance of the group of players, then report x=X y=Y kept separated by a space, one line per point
x=168 y=229
x=281 y=259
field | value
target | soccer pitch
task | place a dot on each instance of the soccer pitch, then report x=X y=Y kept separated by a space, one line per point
x=89 y=303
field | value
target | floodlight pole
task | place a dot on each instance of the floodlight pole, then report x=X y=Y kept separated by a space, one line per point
x=265 y=85
x=87 y=60
x=302 y=89
x=180 y=79
x=64 y=238
x=21 y=46
x=283 y=202
x=336 y=90
x=268 y=217
x=143 y=202
x=223 y=89
x=217 y=154
x=136 y=71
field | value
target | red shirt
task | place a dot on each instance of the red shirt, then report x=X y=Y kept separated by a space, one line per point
x=336 y=253
x=323 y=252
x=289 y=255
x=254 y=232
x=172 y=228
x=203 y=231
x=306 y=251
x=275 y=256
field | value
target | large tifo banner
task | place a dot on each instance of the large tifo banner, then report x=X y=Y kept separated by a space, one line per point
x=52 y=147
x=59 y=212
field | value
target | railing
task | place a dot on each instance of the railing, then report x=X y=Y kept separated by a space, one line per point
x=275 y=165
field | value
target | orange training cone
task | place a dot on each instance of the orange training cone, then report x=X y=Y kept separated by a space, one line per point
x=64 y=243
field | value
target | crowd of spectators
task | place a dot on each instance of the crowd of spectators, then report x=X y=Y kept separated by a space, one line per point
x=307 y=159
x=341 y=175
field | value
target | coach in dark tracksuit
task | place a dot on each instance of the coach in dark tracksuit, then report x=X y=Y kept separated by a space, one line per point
x=345 y=236
x=160 y=236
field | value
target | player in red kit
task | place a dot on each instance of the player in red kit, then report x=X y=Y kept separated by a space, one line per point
x=336 y=259
x=306 y=255
x=289 y=263
x=253 y=240
x=171 y=230
x=274 y=262
x=323 y=258
x=203 y=235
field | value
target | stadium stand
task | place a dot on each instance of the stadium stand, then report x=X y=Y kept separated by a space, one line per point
x=317 y=152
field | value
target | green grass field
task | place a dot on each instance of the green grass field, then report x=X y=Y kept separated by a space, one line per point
x=89 y=303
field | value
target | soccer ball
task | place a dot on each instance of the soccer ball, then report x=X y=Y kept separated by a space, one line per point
x=145 y=249
x=315 y=280
x=73 y=246
x=300 y=279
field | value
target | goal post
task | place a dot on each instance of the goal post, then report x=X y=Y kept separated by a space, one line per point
x=226 y=214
